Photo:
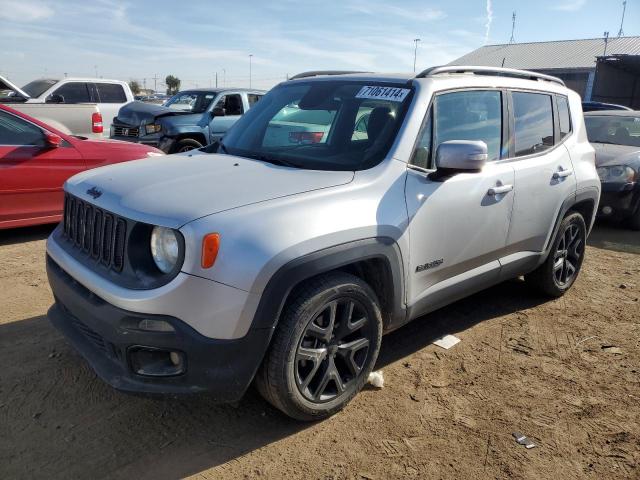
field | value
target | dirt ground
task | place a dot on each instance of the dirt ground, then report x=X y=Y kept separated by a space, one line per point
x=524 y=364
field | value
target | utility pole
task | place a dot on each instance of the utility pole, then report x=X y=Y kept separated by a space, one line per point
x=513 y=28
x=606 y=40
x=624 y=9
x=95 y=69
x=144 y=84
x=155 y=82
x=224 y=77
x=216 y=79
x=415 y=52
x=250 y=56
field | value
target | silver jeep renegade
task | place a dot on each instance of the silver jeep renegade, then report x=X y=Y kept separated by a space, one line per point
x=342 y=206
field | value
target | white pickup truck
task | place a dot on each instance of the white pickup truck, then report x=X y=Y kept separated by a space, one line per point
x=80 y=105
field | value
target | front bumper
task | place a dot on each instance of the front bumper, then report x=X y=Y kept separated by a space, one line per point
x=156 y=140
x=619 y=200
x=106 y=336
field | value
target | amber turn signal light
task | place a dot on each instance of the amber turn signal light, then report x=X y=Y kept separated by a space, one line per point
x=210 y=246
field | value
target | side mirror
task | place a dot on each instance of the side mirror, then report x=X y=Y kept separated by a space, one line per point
x=55 y=98
x=462 y=155
x=52 y=140
x=218 y=112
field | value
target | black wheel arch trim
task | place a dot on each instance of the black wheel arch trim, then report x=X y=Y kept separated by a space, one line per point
x=589 y=194
x=287 y=277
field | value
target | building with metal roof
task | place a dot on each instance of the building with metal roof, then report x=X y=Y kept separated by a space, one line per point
x=600 y=69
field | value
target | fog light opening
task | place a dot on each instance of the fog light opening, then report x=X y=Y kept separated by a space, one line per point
x=607 y=210
x=154 y=362
x=151 y=325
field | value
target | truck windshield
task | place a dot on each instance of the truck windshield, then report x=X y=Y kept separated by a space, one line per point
x=322 y=125
x=38 y=87
x=618 y=130
x=194 y=102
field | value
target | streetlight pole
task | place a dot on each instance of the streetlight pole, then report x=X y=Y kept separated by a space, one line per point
x=415 y=52
x=224 y=77
x=250 y=56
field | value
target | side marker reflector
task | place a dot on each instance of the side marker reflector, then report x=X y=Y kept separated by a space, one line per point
x=210 y=246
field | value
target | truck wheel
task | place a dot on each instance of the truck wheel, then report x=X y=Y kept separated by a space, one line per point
x=560 y=270
x=324 y=347
x=185 y=145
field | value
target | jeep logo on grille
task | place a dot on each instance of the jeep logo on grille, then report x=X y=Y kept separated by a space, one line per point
x=94 y=192
x=125 y=131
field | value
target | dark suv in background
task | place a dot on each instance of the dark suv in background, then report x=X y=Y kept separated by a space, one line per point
x=190 y=119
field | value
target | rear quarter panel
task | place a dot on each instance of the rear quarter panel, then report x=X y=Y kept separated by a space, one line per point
x=583 y=156
x=76 y=118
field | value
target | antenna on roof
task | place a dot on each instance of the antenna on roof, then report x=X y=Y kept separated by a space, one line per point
x=624 y=9
x=606 y=40
x=513 y=28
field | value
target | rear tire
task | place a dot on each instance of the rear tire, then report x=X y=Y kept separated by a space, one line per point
x=561 y=268
x=185 y=145
x=324 y=347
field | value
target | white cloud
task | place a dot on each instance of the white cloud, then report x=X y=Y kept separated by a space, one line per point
x=376 y=8
x=24 y=10
x=489 y=20
x=570 y=6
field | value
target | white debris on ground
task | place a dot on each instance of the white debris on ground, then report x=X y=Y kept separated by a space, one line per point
x=376 y=379
x=447 y=341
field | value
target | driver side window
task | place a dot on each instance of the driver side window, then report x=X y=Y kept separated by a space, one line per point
x=464 y=115
x=74 y=92
x=232 y=104
x=15 y=131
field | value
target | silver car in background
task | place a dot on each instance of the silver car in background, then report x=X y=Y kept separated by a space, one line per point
x=339 y=208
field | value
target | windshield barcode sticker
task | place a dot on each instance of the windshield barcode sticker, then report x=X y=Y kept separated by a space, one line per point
x=383 y=93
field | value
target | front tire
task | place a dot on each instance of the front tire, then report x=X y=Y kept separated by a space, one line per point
x=185 y=145
x=561 y=268
x=634 y=220
x=324 y=347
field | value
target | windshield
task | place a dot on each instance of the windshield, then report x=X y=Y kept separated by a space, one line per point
x=194 y=102
x=38 y=87
x=617 y=130
x=328 y=125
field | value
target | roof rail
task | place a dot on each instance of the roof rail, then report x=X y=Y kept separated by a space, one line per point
x=496 y=71
x=316 y=73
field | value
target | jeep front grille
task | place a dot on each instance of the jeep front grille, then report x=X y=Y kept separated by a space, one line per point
x=95 y=232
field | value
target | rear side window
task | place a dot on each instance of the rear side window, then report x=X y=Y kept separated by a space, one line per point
x=253 y=99
x=563 y=116
x=533 y=114
x=74 y=92
x=111 y=93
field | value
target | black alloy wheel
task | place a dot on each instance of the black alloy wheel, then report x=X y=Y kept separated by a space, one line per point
x=333 y=350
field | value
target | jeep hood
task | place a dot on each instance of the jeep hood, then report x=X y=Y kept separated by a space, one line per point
x=607 y=154
x=139 y=113
x=176 y=189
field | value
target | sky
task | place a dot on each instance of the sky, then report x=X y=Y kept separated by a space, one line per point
x=195 y=39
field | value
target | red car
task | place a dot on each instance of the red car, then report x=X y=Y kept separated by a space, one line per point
x=36 y=160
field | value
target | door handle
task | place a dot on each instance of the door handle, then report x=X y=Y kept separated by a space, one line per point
x=562 y=173
x=499 y=189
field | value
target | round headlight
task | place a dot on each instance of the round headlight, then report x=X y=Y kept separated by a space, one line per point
x=164 y=248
